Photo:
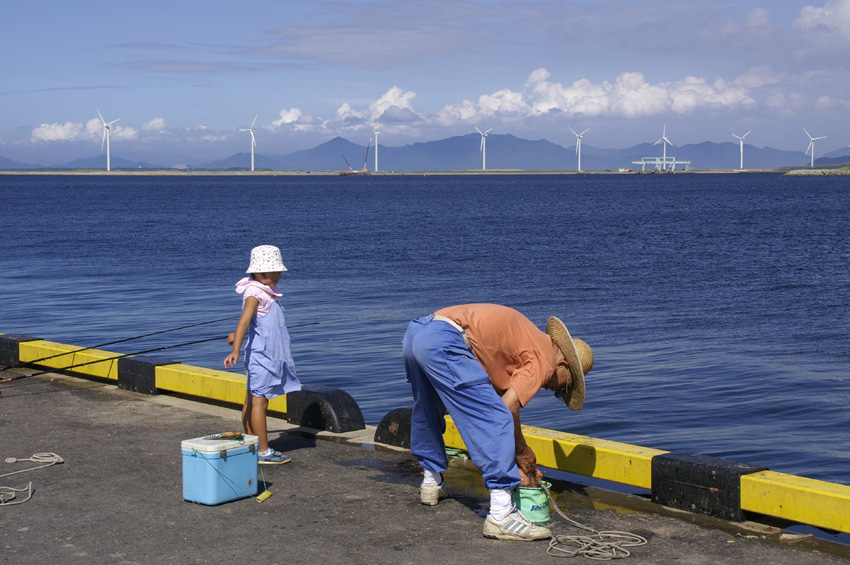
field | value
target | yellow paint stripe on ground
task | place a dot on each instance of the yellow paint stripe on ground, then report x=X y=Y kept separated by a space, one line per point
x=582 y=455
x=822 y=504
x=212 y=384
x=34 y=350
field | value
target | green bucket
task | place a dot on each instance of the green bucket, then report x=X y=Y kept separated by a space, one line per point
x=533 y=502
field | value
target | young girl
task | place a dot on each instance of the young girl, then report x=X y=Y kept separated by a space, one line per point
x=268 y=361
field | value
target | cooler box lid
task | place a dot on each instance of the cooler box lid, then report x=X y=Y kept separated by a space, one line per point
x=218 y=445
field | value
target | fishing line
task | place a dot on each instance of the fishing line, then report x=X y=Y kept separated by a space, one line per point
x=35 y=361
x=162 y=348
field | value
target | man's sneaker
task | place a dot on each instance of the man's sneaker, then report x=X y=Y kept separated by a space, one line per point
x=430 y=495
x=514 y=527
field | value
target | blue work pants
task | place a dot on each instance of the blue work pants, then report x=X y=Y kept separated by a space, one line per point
x=443 y=372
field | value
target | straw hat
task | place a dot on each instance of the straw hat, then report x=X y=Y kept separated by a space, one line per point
x=579 y=358
x=266 y=259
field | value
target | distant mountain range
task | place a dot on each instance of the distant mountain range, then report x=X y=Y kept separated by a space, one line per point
x=461 y=153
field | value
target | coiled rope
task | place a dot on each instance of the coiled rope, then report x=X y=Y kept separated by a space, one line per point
x=7 y=494
x=602 y=546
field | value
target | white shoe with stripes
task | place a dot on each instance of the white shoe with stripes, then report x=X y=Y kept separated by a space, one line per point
x=430 y=495
x=514 y=527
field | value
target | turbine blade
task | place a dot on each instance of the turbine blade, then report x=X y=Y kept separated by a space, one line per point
x=489 y=130
x=253 y=140
x=255 y=120
x=572 y=130
x=481 y=149
x=478 y=130
x=585 y=131
x=103 y=141
x=112 y=122
x=101 y=117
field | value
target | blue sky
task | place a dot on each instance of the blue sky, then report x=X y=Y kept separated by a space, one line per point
x=182 y=76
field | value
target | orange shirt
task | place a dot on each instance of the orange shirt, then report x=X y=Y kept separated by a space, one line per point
x=513 y=351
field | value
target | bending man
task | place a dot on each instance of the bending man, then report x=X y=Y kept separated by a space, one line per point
x=482 y=363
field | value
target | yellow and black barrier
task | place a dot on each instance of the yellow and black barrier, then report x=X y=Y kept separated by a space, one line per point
x=691 y=482
x=316 y=407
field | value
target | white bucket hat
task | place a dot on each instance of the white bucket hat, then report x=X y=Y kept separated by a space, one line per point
x=266 y=259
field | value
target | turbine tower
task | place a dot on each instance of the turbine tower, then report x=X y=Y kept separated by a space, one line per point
x=741 y=140
x=106 y=128
x=578 y=144
x=812 y=145
x=375 y=132
x=483 y=146
x=666 y=142
x=253 y=139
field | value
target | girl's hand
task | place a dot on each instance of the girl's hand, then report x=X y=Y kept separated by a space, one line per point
x=231 y=359
x=231 y=337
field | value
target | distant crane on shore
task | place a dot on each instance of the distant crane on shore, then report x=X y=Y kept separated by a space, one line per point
x=741 y=139
x=106 y=129
x=364 y=170
x=811 y=146
x=666 y=142
x=483 y=149
x=578 y=144
x=253 y=139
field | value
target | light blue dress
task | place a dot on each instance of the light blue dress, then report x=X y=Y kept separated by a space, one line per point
x=268 y=357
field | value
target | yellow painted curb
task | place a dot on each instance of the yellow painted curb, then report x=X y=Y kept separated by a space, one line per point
x=98 y=363
x=211 y=384
x=582 y=455
x=819 y=503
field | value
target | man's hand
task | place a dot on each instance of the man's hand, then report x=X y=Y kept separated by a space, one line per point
x=527 y=463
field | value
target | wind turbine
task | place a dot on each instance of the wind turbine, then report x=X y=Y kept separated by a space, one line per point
x=375 y=133
x=741 y=139
x=106 y=128
x=666 y=141
x=253 y=139
x=812 y=145
x=578 y=144
x=483 y=146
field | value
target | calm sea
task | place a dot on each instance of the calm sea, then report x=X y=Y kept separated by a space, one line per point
x=717 y=305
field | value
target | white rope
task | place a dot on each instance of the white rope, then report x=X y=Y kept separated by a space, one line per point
x=7 y=494
x=48 y=459
x=602 y=546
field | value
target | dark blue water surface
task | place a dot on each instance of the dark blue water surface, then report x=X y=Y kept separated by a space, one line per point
x=718 y=306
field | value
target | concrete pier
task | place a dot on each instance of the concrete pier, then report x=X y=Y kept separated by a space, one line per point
x=117 y=496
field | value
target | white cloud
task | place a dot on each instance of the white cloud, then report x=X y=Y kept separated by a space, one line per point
x=630 y=96
x=288 y=117
x=68 y=131
x=156 y=124
x=832 y=17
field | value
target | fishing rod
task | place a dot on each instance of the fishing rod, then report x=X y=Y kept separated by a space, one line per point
x=121 y=356
x=163 y=348
x=35 y=361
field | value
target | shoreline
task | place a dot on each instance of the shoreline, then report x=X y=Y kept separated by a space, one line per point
x=202 y=173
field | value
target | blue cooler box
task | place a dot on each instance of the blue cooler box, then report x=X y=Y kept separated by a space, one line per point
x=219 y=470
